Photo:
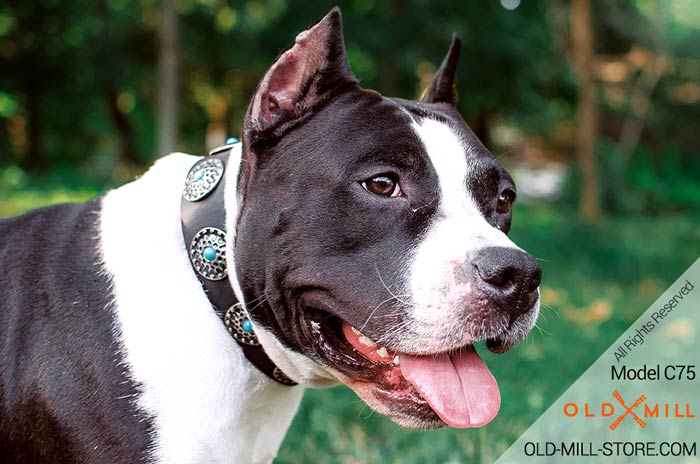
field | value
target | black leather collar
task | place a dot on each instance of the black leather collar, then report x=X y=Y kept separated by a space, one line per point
x=204 y=230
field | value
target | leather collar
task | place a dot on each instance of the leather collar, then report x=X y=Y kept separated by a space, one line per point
x=202 y=215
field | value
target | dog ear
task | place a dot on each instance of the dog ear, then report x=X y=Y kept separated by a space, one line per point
x=303 y=76
x=442 y=90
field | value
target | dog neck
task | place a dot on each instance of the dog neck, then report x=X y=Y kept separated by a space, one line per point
x=202 y=394
x=203 y=211
x=295 y=365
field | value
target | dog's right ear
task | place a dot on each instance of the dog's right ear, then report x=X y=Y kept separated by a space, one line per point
x=442 y=89
x=302 y=77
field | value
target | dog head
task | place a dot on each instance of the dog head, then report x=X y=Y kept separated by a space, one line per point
x=371 y=240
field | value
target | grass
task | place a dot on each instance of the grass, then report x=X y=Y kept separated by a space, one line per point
x=597 y=280
x=20 y=192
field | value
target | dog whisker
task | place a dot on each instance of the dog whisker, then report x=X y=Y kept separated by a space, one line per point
x=374 y=311
x=387 y=288
x=542 y=331
x=260 y=301
x=415 y=210
x=394 y=297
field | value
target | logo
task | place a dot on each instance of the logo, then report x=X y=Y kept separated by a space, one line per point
x=641 y=411
x=628 y=411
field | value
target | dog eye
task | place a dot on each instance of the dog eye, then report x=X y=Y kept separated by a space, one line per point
x=505 y=201
x=385 y=185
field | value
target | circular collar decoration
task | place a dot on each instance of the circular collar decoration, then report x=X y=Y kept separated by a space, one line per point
x=238 y=324
x=208 y=253
x=203 y=177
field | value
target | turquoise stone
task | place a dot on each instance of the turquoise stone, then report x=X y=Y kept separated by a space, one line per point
x=209 y=253
x=231 y=140
x=247 y=325
x=199 y=175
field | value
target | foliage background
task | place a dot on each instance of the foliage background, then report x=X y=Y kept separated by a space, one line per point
x=79 y=87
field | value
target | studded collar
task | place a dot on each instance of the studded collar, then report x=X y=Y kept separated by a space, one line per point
x=202 y=216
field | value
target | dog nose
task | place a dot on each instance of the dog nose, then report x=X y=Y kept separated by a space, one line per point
x=510 y=276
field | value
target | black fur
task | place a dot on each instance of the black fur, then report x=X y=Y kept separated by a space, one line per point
x=64 y=397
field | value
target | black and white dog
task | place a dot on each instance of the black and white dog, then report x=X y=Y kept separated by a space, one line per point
x=367 y=244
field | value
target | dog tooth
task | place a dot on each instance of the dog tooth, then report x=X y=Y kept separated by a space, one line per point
x=396 y=359
x=366 y=341
x=383 y=352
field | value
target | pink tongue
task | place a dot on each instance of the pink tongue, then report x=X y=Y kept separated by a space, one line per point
x=459 y=387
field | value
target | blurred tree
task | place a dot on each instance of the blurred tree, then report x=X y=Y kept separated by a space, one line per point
x=168 y=91
x=582 y=51
x=226 y=46
x=72 y=68
x=80 y=90
x=109 y=75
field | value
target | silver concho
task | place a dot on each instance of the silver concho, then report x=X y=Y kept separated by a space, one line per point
x=203 y=177
x=208 y=253
x=282 y=378
x=239 y=326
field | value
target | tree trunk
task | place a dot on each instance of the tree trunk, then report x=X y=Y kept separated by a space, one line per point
x=168 y=95
x=34 y=160
x=482 y=126
x=109 y=75
x=129 y=152
x=582 y=44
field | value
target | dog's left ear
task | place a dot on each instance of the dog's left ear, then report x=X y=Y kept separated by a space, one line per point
x=442 y=89
x=303 y=76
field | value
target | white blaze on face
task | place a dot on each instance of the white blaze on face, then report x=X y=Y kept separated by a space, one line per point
x=458 y=229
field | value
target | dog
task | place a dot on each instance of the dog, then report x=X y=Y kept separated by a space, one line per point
x=349 y=237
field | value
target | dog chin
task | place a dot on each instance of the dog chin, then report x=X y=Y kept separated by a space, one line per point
x=308 y=372
x=423 y=418
x=413 y=423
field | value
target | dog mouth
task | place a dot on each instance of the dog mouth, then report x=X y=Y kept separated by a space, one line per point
x=454 y=388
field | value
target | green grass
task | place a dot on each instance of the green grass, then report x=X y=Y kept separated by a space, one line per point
x=20 y=192
x=597 y=280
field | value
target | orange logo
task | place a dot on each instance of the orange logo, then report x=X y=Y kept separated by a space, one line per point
x=628 y=410
x=621 y=410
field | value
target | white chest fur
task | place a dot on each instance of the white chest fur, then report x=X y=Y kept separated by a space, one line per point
x=208 y=403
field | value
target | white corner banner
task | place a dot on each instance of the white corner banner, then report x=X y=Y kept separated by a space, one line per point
x=639 y=402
